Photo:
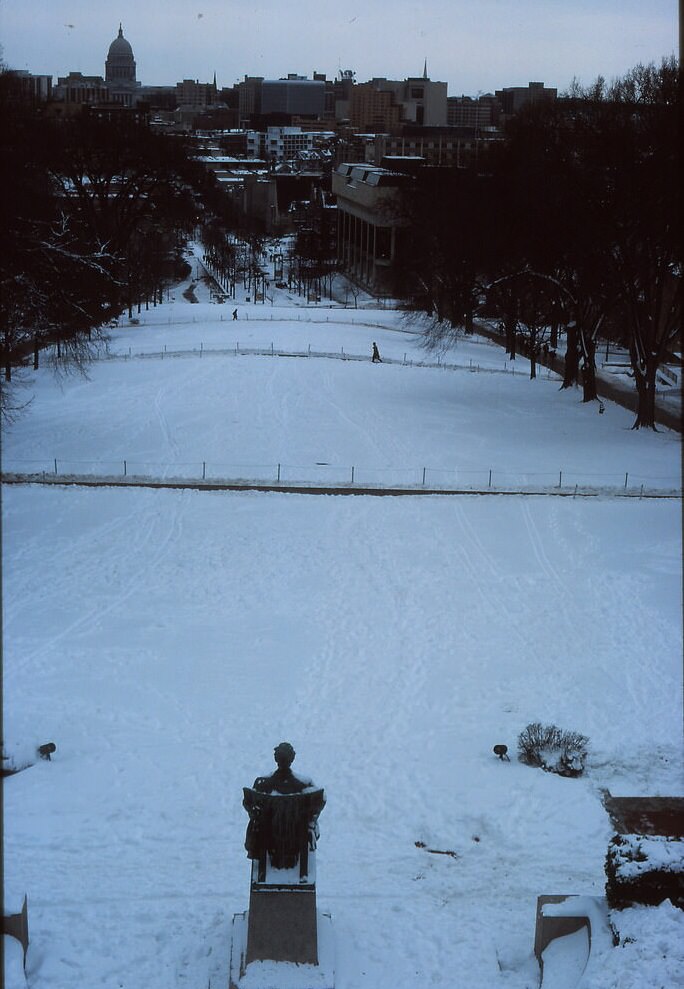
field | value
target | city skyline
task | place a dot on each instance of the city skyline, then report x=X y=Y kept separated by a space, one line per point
x=473 y=47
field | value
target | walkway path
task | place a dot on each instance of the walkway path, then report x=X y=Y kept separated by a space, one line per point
x=87 y=481
x=608 y=389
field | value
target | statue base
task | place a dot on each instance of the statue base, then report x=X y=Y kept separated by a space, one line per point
x=269 y=973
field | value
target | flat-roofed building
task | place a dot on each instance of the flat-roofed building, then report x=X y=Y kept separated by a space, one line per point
x=26 y=87
x=475 y=112
x=190 y=92
x=372 y=109
x=249 y=98
x=384 y=104
x=77 y=88
x=369 y=222
x=295 y=95
x=514 y=98
x=446 y=146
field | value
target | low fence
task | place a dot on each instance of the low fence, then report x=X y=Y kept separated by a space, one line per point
x=271 y=350
x=327 y=475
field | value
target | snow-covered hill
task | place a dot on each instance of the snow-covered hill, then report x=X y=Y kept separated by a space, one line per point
x=166 y=641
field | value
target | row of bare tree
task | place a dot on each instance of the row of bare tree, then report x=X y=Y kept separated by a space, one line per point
x=569 y=225
x=96 y=209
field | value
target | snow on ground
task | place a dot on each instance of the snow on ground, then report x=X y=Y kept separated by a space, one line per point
x=241 y=416
x=167 y=640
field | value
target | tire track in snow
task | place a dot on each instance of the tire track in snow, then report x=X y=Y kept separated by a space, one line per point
x=539 y=551
x=171 y=444
x=499 y=604
x=345 y=678
x=362 y=426
x=471 y=533
x=151 y=561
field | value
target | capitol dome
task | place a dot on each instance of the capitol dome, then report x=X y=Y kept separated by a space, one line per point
x=120 y=64
x=120 y=46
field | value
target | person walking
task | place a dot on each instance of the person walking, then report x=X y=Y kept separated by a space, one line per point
x=234 y=313
x=376 y=358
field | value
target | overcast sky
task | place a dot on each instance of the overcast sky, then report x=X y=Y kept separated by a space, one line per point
x=473 y=45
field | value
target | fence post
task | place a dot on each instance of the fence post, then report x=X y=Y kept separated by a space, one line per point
x=309 y=354
x=204 y=470
x=423 y=476
x=55 y=465
x=278 y=478
x=490 y=479
x=124 y=468
x=641 y=493
x=560 y=479
x=352 y=475
x=575 y=494
x=626 y=476
x=271 y=348
x=201 y=348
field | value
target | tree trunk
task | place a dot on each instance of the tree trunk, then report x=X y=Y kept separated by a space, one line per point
x=510 y=326
x=533 y=354
x=36 y=354
x=553 y=341
x=589 y=371
x=571 y=370
x=646 y=391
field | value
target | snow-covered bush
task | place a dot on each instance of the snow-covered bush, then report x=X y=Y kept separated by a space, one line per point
x=644 y=869
x=553 y=749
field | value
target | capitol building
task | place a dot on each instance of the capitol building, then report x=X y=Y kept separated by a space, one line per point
x=119 y=84
x=120 y=71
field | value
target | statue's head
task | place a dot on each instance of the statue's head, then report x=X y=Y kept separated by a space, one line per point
x=284 y=755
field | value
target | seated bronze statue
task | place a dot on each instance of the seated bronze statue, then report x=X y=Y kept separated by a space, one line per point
x=283 y=813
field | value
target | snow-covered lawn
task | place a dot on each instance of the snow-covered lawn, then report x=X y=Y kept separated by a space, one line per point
x=223 y=414
x=167 y=640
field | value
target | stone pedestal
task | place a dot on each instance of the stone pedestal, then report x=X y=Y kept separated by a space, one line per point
x=269 y=974
x=282 y=921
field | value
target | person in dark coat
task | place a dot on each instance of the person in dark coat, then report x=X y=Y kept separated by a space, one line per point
x=376 y=359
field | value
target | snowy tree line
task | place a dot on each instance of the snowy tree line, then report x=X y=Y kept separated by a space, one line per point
x=570 y=224
x=96 y=209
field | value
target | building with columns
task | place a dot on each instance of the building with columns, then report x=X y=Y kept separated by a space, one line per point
x=76 y=89
x=369 y=222
x=120 y=72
